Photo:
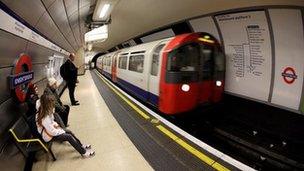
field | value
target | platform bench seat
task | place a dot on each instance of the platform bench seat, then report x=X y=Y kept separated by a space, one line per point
x=25 y=139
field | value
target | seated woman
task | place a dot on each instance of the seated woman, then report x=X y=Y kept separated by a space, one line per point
x=50 y=130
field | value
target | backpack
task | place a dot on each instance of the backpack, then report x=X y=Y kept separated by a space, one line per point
x=62 y=71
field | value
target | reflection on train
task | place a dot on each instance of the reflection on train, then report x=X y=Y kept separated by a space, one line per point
x=174 y=75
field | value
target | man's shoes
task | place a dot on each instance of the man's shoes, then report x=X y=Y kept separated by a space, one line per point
x=75 y=104
x=76 y=101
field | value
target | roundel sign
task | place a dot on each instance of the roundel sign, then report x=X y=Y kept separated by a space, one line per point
x=289 y=75
x=22 y=75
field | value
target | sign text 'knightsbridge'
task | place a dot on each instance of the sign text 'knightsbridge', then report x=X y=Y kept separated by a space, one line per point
x=20 y=79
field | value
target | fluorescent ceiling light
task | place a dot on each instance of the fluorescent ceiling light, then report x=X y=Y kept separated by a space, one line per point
x=99 y=34
x=104 y=10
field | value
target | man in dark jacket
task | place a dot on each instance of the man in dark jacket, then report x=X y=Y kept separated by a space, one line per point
x=70 y=76
x=62 y=110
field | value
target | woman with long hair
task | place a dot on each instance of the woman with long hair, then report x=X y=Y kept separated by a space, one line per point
x=51 y=131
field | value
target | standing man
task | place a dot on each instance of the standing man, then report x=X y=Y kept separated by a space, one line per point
x=68 y=72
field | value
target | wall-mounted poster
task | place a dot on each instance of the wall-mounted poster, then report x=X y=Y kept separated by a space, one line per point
x=58 y=61
x=248 y=53
x=289 y=60
x=53 y=68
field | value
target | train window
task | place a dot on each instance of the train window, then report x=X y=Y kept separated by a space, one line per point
x=142 y=51
x=103 y=61
x=155 y=59
x=136 y=63
x=207 y=61
x=212 y=61
x=108 y=61
x=122 y=63
x=184 y=58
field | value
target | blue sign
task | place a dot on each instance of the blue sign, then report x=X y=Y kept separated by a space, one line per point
x=19 y=79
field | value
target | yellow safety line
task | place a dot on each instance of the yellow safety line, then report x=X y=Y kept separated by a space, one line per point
x=192 y=150
x=126 y=100
x=220 y=167
x=175 y=138
x=28 y=140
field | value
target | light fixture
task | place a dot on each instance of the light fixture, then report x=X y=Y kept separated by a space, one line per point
x=104 y=10
x=205 y=40
x=185 y=87
x=207 y=37
x=218 y=83
x=99 y=34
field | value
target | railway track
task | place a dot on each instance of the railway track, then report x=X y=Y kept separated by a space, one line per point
x=248 y=142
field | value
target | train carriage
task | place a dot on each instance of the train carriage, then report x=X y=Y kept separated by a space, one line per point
x=175 y=74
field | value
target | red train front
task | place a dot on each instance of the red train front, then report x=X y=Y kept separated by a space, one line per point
x=192 y=73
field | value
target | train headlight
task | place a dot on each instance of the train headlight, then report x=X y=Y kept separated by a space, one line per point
x=185 y=87
x=218 y=83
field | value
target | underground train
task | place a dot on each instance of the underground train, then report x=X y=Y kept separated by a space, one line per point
x=174 y=75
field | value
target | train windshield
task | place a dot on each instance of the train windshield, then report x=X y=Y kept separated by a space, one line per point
x=184 y=58
x=195 y=62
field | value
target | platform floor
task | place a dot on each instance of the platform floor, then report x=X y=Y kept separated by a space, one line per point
x=93 y=123
x=123 y=136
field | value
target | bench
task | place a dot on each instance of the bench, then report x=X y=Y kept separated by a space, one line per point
x=26 y=140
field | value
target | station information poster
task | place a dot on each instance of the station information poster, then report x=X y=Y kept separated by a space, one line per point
x=248 y=53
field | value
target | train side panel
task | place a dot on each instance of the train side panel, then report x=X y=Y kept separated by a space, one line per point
x=134 y=77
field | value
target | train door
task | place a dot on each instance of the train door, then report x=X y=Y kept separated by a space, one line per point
x=101 y=63
x=114 y=67
x=154 y=76
x=211 y=73
x=206 y=71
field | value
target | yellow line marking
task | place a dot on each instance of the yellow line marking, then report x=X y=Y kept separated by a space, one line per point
x=126 y=100
x=219 y=167
x=192 y=150
x=154 y=121
x=175 y=138
x=167 y=132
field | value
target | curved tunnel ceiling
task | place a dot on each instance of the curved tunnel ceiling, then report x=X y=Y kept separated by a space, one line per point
x=131 y=18
x=63 y=21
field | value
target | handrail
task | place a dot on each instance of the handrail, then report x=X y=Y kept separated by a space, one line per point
x=28 y=140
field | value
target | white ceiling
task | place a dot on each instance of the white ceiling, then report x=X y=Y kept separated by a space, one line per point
x=63 y=21
x=131 y=18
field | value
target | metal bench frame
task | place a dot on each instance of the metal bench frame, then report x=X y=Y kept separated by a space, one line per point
x=18 y=141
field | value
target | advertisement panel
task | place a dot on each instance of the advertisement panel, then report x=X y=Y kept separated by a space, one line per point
x=53 y=68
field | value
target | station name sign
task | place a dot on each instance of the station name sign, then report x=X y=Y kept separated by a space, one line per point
x=19 y=79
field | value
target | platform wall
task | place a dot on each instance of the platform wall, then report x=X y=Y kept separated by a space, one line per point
x=261 y=46
x=17 y=37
